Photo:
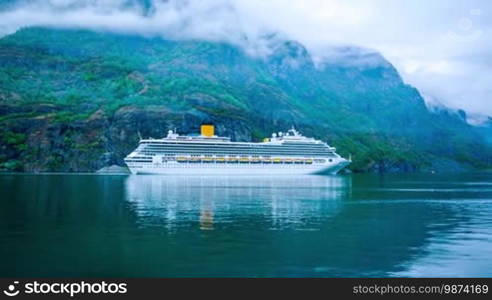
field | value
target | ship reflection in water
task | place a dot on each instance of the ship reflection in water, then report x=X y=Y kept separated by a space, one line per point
x=318 y=225
x=360 y=225
x=283 y=201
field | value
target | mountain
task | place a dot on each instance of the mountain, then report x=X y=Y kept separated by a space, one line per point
x=485 y=128
x=74 y=100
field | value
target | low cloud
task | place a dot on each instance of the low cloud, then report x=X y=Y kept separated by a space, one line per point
x=442 y=47
x=213 y=20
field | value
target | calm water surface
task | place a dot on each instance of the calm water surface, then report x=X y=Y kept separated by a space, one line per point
x=313 y=226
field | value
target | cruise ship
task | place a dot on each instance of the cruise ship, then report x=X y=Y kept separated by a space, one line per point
x=288 y=153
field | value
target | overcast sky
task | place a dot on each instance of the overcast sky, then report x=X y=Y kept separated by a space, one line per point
x=443 y=47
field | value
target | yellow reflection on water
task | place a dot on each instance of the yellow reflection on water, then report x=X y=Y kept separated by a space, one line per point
x=212 y=199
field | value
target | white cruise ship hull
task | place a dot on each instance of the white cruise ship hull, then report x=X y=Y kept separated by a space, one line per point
x=238 y=169
x=283 y=154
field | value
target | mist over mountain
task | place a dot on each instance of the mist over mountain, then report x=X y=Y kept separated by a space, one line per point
x=76 y=100
x=441 y=49
x=485 y=128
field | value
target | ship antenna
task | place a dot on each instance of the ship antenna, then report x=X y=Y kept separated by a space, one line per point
x=293 y=130
x=139 y=135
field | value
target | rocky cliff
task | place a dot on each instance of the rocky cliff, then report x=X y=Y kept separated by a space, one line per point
x=74 y=100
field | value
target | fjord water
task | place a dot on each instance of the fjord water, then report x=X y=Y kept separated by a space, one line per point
x=312 y=226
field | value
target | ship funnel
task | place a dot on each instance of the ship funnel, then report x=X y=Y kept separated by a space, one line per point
x=207 y=130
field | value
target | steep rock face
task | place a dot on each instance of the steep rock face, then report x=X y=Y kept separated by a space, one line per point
x=101 y=140
x=77 y=101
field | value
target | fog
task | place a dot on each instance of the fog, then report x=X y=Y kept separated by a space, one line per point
x=441 y=47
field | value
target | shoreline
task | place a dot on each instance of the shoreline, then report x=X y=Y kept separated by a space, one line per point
x=339 y=174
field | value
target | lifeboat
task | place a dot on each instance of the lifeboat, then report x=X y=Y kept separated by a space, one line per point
x=277 y=160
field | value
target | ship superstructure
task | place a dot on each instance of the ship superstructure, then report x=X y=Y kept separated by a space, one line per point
x=282 y=154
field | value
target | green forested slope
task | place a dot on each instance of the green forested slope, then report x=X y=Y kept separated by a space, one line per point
x=75 y=101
